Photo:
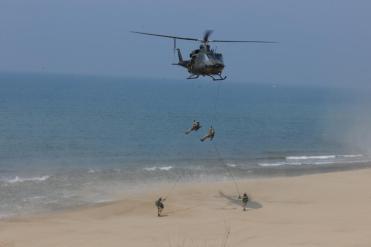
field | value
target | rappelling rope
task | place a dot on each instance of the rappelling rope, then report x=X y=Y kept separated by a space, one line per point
x=196 y=96
x=225 y=166
x=173 y=186
x=219 y=155
x=196 y=101
x=214 y=118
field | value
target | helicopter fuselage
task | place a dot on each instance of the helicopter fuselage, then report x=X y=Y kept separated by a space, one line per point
x=204 y=62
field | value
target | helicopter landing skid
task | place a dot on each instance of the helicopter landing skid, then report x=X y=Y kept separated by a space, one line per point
x=192 y=77
x=221 y=78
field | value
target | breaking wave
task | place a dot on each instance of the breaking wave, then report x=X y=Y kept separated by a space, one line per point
x=310 y=157
x=18 y=179
x=155 y=168
x=279 y=164
x=316 y=160
x=351 y=155
x=231 y=165
x=323 y=157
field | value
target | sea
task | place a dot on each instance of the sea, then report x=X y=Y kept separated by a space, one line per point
x=69 y=140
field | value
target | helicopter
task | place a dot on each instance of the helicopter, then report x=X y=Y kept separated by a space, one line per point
x=203 y=61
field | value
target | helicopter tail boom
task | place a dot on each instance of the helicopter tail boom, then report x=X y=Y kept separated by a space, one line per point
x=181 y=62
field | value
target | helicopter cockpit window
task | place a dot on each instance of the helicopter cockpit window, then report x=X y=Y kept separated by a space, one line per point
x=218 y=56
x=211 y=56
x=193 y=53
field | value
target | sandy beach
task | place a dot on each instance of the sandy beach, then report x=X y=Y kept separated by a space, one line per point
x=331 y=209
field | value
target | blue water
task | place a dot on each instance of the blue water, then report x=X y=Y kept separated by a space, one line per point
x=73 y=140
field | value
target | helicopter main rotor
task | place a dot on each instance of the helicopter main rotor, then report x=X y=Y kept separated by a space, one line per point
x=205 y=39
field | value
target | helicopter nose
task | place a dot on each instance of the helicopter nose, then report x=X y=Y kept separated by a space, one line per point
x=219 y=66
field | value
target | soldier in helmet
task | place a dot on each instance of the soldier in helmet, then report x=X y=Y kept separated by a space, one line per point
x=210 y=134
x=195 y=126
x=160 y=205
x=245 y=200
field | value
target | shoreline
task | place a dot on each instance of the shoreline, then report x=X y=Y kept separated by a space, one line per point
x=311 y=210
x=159 y=188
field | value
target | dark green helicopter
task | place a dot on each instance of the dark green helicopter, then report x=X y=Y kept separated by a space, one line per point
x=203 y=61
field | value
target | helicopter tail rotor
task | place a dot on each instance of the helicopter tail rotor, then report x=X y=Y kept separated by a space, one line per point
x=181 y=62
x=180 y=56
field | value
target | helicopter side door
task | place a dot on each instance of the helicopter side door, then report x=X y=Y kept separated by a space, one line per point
x=201 y=62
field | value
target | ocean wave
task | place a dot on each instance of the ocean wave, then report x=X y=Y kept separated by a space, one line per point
x=351 y=155
x=312 y=157
x=324 y=162
x=17 y=179
x=323 y=157
x=36 y=198
x=280 y=164
x=316 y=160
x=5 y=216
x=155 y=168
x=231 y=165
x=272 y=164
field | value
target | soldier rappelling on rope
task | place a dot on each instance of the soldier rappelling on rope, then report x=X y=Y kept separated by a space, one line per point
x=195 y=126
x=210 y=134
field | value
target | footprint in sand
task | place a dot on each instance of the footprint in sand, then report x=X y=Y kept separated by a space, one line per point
x=6 y=244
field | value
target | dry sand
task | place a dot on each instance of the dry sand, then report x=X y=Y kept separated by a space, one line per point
x=332 y=209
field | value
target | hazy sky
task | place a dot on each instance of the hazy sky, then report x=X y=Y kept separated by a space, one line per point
x=321 y=41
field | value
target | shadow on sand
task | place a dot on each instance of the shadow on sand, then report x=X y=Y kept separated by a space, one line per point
x=234 y=200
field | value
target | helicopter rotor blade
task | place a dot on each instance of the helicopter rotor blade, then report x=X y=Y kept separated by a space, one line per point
x=207 y=35
x=206 y=38
x=167 y=36
x=243 y=41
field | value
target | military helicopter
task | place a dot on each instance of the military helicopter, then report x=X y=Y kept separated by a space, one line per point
x=203 y=61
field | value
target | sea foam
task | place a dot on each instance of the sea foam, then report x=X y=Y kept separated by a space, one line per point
x=323 y=157
x=18 y=179
x=315 y=160
x=319 y=157
x=161 y=168
x=231 y=165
